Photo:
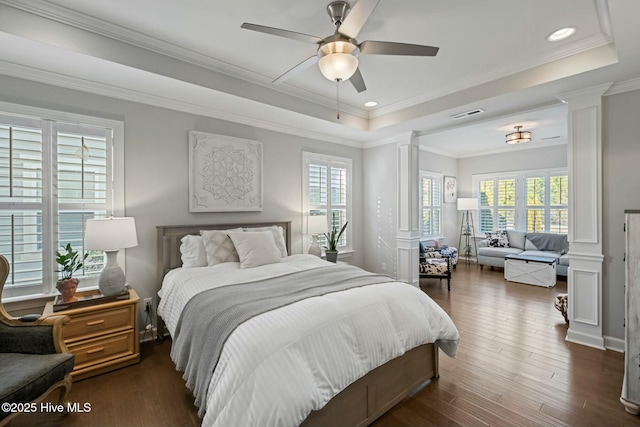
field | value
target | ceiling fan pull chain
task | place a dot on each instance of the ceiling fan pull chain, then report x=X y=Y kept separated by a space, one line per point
x=338 y=97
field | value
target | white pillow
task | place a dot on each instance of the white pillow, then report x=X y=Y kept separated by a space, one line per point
x=193 y=252
x=278 y=235
x=255 y=248
x=218 y=246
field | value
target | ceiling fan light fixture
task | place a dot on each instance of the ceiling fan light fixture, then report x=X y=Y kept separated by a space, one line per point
x=518 y=137
x=338 y=60
x=338 y=66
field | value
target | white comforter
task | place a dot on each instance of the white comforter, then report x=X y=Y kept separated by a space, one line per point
x=279 y=366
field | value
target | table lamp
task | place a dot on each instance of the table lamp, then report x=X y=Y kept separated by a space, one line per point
x=110 y=235
x=316 y=224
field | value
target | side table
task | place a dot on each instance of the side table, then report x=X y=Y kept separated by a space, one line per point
x=103 y=337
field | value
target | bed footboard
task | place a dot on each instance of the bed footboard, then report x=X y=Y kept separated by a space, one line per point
x=368 y=398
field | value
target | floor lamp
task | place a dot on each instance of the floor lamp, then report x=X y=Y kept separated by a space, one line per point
x=467 y=229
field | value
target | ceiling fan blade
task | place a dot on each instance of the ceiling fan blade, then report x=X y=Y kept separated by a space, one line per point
x=298 y=68
x=306 y=38
x=357 y=81
x=370 y=47
x=357 y=17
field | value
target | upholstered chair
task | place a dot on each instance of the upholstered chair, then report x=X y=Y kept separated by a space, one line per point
x=33 y=358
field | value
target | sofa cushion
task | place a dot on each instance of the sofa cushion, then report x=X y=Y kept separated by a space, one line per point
x=497 y=252
x=564 y=260
x=497 y=239
x=516 y=238
x=27 y=376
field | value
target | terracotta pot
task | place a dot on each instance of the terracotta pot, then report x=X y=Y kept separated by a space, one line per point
x=67 y=287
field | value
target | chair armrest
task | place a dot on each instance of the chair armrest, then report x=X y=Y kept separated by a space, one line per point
x=43 y=336
x=483 y=243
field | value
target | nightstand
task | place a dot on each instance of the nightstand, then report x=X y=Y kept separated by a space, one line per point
x=103 y=337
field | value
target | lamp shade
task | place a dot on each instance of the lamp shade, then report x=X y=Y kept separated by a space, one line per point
x=338 y=66
x=467 y=204
x=110 y=234
x=317 y=224
x=518 y=137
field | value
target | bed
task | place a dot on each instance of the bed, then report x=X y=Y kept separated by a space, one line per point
x=341 y=357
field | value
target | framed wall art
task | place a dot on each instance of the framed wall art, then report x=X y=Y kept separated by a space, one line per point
x=225 y=173
x=450 y=189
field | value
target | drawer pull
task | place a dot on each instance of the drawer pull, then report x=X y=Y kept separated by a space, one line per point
x=95 y=322
x=95 y=350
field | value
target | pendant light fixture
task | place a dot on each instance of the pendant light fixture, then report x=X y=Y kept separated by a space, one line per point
x=518 y=137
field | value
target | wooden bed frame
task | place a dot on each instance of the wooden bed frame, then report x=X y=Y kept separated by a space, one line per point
x=360 y=403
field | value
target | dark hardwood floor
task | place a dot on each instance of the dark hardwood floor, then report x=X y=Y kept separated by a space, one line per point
x=513 y=368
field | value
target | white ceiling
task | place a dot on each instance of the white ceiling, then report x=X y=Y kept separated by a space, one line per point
x=192 y=55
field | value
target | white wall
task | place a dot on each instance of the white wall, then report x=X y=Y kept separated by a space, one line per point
x=620 y=191
x=156 y=170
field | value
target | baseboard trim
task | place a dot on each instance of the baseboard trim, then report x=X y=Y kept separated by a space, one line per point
x=584 y=339
x=613 y=343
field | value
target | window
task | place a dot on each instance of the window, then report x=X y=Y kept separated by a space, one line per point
x=327 y=191
x=54 y=174
x=497 y=203
x=535 y=201
x=431 y=204
x=547 y=203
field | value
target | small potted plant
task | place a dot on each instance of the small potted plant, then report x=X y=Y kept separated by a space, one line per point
x=70 y=261
x=331 y=250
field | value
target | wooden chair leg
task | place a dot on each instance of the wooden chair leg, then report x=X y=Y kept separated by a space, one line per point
x=64 y=392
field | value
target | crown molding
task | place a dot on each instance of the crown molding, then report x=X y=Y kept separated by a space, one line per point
x=624 y=86
x=126 y=94
x=566 y=51
x=109 y=30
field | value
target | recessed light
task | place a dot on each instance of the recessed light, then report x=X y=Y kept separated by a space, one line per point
x=370 y=104
x=561 y=34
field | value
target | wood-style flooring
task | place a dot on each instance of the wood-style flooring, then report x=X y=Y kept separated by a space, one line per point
x=513 y=368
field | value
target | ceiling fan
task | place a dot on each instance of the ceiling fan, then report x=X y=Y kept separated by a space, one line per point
x=337 y=55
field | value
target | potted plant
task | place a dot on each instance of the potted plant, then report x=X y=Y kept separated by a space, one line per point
x=70 y=261
x=331 y=250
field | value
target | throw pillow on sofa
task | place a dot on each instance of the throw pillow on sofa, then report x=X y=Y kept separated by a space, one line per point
x=497 y=239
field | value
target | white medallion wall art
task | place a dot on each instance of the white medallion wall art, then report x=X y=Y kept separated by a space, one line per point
x=225 y=173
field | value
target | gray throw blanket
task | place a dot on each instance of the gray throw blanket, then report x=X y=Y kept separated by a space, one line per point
x=549 y=242
x=211 y=316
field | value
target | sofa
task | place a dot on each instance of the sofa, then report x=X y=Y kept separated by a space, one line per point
x=498 y=244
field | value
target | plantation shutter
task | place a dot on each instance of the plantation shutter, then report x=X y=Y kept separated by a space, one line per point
x=21 y=202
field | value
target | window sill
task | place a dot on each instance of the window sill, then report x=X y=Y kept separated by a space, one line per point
x=347 y=253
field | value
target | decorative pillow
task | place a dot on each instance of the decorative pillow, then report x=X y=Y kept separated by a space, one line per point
x=193 y=252
x=497 y=239
x=278 y=236
x=423 y=249
x=218 y=246
x=255 y=248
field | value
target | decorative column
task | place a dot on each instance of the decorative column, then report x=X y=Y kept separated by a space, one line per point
x=585 y=215
x=408 y=235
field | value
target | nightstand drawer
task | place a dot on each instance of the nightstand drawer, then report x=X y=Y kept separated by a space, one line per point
x=98 y=323
x=102 y=349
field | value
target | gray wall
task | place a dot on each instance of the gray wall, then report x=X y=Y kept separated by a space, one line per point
x=381 y=205
x=381 y=199
x=156 y=170
x=620 y=177
x=447 y=166
x=520 y=159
